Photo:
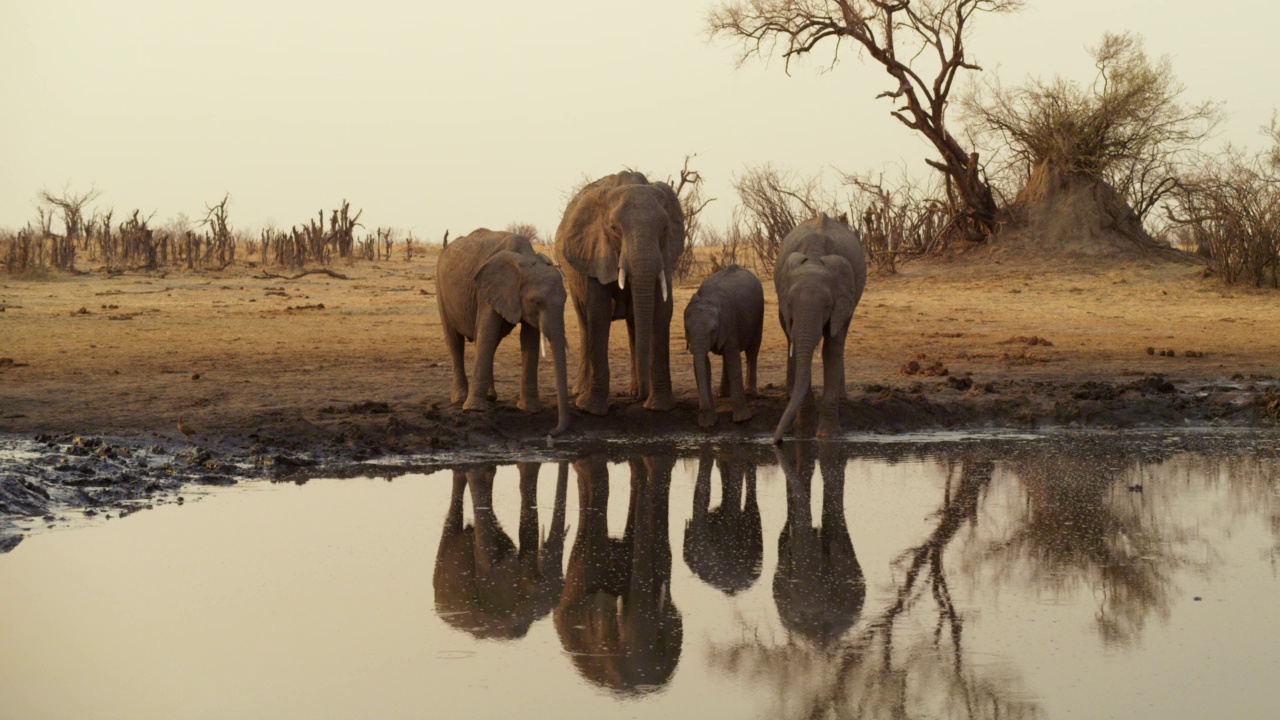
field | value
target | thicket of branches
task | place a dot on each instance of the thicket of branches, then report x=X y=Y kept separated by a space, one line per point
x=1229 y=212
x=1129 y=127
x=136 y=244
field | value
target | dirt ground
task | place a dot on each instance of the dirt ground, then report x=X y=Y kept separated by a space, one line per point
x=322 y=362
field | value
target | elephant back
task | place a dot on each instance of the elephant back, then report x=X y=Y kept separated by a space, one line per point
x=456 y=269
x=820 y=236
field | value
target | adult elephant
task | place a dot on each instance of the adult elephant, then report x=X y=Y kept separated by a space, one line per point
x=487 y=283
x=616 y=618
x=725 y=546
x=818 y=587
x=618 y=243
x=819 y=277
x=484 y=583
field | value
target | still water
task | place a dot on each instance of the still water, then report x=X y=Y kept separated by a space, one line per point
x=1037 y=577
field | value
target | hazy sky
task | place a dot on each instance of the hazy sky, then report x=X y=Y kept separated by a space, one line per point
x=434 y=115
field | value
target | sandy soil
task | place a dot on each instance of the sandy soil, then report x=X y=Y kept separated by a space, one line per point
x=322 y=362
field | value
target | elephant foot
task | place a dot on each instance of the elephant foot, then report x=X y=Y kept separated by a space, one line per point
x=707 y=418
x=741 y=414
x=829 y=430
x=593 y=405
x=660 y=402
x=475 y=404
x=491 y=395
x=459 y=396
x=529 y=406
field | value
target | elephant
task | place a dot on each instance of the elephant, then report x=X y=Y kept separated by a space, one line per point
x=725 y=546
x=616 y=618
x=487 y=283
x=484 y=584
x=819 y=276
x=818 y=587
x=726 y=317
x=618 y=243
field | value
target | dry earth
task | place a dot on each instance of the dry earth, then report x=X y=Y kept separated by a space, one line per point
x=322 y=362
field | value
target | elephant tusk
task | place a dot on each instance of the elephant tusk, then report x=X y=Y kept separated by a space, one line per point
x=619 y=604
x=791 y=349
x=542 y=337
x=662 y=279
x=622 y=277
x=662 y=598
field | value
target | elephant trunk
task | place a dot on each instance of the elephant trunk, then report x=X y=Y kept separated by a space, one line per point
x=702 y=373
x=644 y=286
x=552 y=326
x=803 y=342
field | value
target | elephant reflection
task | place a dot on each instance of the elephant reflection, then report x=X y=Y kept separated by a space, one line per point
x=725 y=546
x=485 y=584
x=616 y=617
x=818 y=588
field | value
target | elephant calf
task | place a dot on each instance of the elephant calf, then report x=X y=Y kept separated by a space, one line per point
x=725 y=317
x=819 y=276
x=487 y=283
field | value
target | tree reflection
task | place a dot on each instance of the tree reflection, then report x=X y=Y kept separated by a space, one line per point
x=875 y=673
x=724 y=547
x=616 y=617
x=485 y=584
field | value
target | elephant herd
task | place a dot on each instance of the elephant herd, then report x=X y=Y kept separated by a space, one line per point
x=617 y=246
x=612 y=604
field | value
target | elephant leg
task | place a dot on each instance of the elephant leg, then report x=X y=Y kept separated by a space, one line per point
x=832 y=375
x=455 y=341
x=753 y=352
x=584 y=366
x=724 y=374
x=634 y=389
x=492 y=543
x=733 y=371
x=660 y=396
x=599 y=315
x=529 y=348
x=488 y=333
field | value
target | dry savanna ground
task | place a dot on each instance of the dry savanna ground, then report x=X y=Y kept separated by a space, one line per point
x=235 y=352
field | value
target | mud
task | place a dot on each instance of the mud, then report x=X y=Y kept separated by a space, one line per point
x=56 y=479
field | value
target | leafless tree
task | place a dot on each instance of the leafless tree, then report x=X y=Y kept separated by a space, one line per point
x=688 y=189
x=1127 y=127
x=919 y=43
x=901 y=220
x=71 y=206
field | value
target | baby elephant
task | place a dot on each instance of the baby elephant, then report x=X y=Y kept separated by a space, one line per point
x=487 y=283
x=725 y=317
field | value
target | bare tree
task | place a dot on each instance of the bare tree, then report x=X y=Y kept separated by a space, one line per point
x=71 y=207
x=1127 y=128
x=688 y=189
x=919 y=43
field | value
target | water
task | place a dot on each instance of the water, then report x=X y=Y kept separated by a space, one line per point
x=1016 y=577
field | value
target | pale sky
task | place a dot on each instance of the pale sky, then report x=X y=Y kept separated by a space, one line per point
x=433 y=115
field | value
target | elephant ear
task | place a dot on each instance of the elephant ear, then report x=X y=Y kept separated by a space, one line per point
x=846 y=290
x=498 y=283
x=675 y=219
x=582 y=241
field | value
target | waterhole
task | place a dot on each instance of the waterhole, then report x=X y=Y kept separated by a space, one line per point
x=1010 y=577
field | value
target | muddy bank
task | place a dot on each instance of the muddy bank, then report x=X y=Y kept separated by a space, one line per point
x=48 y=478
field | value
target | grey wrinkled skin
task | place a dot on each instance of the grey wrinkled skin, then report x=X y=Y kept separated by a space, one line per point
x=819 y=276
x=487 y=283
x=617 y=244
x=725 y=317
